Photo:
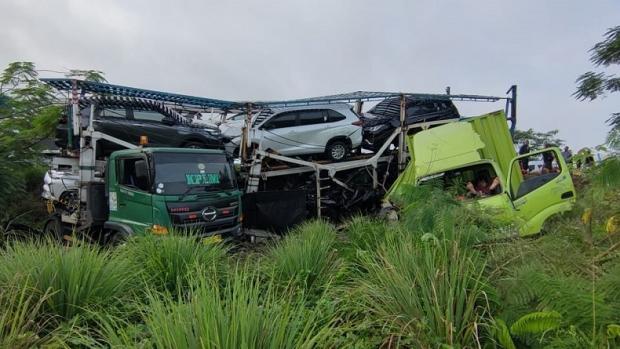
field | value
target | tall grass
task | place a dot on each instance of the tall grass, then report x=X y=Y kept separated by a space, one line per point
x=166 y=263
x=366 y=234
x=429 y=210
x=75 y=279
x=429 y=293
x=242 y=313
x=21 y=323
x=305 y=259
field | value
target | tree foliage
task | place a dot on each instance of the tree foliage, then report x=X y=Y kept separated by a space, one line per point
x=88 y=75
x=592 y=85
x=538 y=139
x=29 y=110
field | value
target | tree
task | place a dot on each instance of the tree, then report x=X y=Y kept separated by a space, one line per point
x=88 y=75
x=29 y=110
x=538 y=139
x=591 y=85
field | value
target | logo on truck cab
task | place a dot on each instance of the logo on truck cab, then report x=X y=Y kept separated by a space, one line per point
x=209 y=214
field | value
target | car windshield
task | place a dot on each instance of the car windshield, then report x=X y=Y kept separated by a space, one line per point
x=176 y=173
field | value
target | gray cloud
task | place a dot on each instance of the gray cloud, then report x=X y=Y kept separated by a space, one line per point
x=290 y=49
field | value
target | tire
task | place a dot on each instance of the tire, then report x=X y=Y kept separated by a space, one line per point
x=116 y=238
x=53 y=228
x=337 y=150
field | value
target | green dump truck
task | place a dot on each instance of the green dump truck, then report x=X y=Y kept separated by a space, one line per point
x=475 y=159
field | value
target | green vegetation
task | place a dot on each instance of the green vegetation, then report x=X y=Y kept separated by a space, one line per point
x=29 y=110
x=443 y=276
x=593 y=85
x=440 y=277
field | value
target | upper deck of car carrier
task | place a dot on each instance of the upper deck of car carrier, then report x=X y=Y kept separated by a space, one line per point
x=266 y=170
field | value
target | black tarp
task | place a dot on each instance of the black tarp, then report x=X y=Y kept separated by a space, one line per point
x=277 y=211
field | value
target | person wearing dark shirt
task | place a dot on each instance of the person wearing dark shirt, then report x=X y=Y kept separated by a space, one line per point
x=525 y=148
x=548 y=158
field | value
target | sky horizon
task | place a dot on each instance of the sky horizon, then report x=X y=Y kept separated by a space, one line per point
x=294 y=49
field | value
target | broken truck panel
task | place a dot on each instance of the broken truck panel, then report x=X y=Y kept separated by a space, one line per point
x=445 y=147
x=481 y=147
x=499 y=147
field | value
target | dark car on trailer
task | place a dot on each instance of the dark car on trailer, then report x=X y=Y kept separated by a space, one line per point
x=128 y=119
x=380 y=121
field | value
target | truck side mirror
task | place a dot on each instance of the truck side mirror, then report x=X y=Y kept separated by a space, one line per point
x=142 y=172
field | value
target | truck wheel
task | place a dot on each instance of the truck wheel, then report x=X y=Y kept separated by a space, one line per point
x=116 y=238
x=53 y=228
x=337 y=150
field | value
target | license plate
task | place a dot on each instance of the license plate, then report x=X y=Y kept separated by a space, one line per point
x=213 y=239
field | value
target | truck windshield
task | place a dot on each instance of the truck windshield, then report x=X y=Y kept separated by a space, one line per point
x=175 y=173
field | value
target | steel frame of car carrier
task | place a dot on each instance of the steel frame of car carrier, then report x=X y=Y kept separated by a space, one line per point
x=256 y=173
x=253 y=166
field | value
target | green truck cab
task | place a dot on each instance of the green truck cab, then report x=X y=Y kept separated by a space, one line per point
x=479 y=151
x=155 y=190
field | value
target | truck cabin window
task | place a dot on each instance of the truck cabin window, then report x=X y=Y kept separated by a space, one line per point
x=467 y=183
x=132 y=173
x=536 y=170
x=178 y=174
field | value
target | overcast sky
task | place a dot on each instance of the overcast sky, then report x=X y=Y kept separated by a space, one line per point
x=249 y=50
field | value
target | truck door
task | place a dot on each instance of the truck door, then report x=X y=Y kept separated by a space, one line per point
x=133 y=197
x=541 y=193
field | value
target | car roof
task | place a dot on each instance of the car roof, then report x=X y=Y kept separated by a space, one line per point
x=335 y=106
x=267 y=113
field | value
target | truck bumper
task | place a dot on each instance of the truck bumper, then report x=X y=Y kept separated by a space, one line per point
x=234 y=231
x=225 y=227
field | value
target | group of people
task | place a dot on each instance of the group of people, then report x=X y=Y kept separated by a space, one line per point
x=548 y=157
x=585 y=158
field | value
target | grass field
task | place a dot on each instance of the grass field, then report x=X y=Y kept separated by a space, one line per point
x=444 y=276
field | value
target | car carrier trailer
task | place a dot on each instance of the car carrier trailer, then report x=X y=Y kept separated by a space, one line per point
x=334 y=187
x=273 y=185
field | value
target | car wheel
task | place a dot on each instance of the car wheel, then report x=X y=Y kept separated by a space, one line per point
x=194 y=145
x=337 y=150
